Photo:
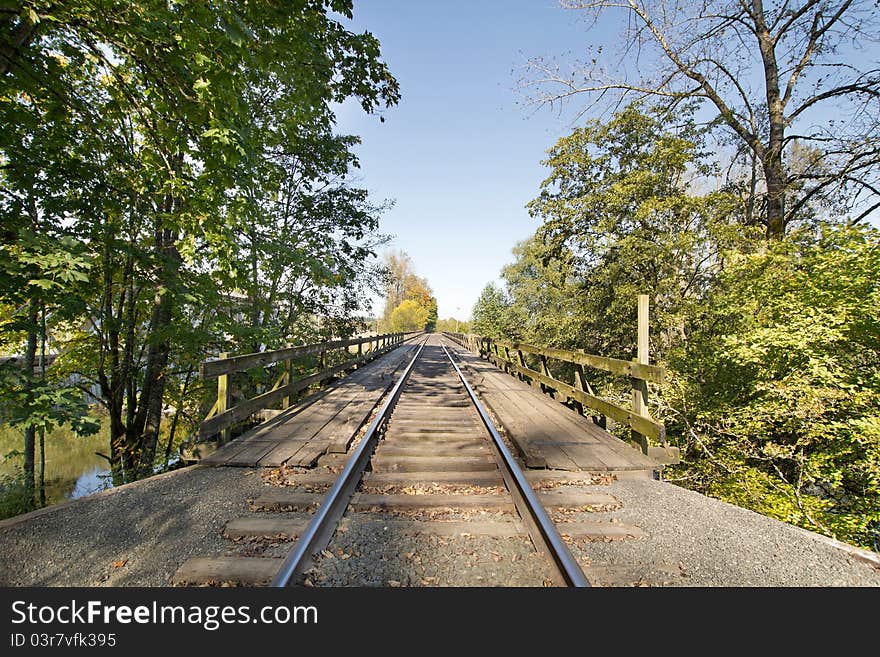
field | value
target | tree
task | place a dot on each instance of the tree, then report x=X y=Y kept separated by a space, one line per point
x=160 y=137
x=490 y=315
x=402 y=284
x=774 y=398
x=408 y=316
x=619 y=218
x=773 y=75
x=399 y=270
x=453 y=325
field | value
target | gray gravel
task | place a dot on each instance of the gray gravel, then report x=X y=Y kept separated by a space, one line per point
x=693 y=540
x=134 y=535
x=138 y=535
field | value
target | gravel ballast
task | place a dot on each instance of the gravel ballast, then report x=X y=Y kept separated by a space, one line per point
x=134 y=535
x=694 y=540
x=138 y=535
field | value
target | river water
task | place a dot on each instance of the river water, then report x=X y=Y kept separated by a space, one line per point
x=73 y=469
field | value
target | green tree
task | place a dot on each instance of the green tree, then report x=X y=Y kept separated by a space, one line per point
x=408 y=316
x=491 y=313
x=173 y=143
x=619 y=218
x=775 y=396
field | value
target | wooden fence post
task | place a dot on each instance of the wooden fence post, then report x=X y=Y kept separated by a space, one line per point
x=288 y=368
x=223 y=400
x=640 y=386
x=546 y=372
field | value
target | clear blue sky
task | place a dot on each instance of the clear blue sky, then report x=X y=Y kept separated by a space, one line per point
x=461 y=153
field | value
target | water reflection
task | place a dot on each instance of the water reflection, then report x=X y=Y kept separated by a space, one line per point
x=97 y=479
x=73 y=467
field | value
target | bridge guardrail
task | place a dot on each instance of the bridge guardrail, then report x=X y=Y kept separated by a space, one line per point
x=223 y=414
x=509 y=356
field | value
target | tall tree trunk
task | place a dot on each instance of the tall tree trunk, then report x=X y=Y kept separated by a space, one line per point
x=30 y=432
x=774 y=174
x=177 y=411
x=42 y=466
x=43 y=338
x=149 y=417
x=774 y=169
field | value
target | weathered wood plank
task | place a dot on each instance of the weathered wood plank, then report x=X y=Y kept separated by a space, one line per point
x=213 y=368
x=252 y=571
x=366 y=502
x=470 y=448
x=433 y=463
x=396 y=527
x=483 y=478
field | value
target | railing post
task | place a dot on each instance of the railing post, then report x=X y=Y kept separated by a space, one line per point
x=581 y=383
x=522 y=363
x=640 y=386
x=288 y=368
x=223 y=400
x=546 y=372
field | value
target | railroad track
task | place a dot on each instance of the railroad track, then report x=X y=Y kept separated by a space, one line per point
x=429 y=495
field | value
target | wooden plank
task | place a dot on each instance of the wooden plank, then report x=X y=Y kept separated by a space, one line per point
x=643 y=425
x=295 y=429
x=395 y=527
x=248 y=407
x=251 y=452
x=470 y=448
x=339 y=432
x=308 y=456
x=281 y=453
x=251 y=571
x=585 y=443
x=213 y=368
x=367 y=502
x=484 y=478
x=421 y=438
x=640 y=387
x=433 y=463
x=533 y=440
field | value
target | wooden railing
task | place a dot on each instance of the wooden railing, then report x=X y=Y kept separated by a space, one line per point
x=224 y=415
x=510 y=356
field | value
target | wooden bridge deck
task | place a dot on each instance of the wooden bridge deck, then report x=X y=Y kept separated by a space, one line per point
x=546 y=433
x=301 y=435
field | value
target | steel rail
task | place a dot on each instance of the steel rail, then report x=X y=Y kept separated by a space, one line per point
x=541 y=528
x=323 y=524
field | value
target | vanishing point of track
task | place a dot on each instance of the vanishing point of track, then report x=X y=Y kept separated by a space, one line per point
x=432 y=426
